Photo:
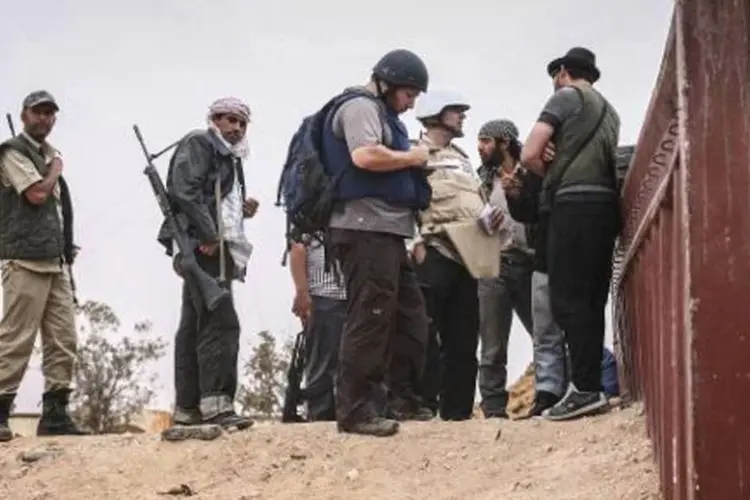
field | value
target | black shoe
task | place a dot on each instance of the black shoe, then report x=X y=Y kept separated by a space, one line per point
x=499 y=412
x=577 y=404
x=55 y=420
x=403 y=411
x=542 y=401
x=230 y=421
x=375 y=426
x=6 y=401
x=495 y=406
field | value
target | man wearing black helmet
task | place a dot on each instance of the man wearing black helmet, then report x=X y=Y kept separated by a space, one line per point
x=379 y=184
x=580 y=194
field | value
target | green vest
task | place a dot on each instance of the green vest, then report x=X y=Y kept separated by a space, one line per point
x=594 y=167
x=33 y=232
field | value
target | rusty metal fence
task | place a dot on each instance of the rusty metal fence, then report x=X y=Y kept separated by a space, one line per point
x=681 y=287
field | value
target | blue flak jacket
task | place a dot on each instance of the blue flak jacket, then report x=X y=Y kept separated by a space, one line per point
x=407 y=188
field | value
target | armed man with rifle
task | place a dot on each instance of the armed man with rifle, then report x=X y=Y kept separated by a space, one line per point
x=36 y=248
x=320 y=303
x=206 y=188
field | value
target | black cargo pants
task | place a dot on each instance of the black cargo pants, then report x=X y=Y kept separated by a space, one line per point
x=385 y=332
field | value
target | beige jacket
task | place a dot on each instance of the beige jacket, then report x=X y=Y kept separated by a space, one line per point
x=450 y=223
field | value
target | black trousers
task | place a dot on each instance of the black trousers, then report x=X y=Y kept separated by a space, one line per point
x=206 y=350
x=453 y=309
x=385 y=332
x=580 y=247
x=322 y=340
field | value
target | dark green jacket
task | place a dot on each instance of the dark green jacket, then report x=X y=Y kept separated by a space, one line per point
x=593 y=168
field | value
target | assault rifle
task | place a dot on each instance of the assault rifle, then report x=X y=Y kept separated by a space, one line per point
x=208 y=288
x=294 y=393
x=10 y=124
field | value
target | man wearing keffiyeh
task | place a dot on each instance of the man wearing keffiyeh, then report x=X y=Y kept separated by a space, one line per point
x=207 y=342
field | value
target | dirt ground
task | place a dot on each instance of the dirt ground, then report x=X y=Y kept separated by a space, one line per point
x=605 y=457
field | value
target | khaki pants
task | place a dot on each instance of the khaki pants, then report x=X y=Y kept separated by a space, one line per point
x=35 y=301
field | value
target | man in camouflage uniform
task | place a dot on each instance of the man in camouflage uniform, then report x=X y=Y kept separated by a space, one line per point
x=449 y=287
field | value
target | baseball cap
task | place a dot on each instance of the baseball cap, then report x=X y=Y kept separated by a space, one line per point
x=40 y=97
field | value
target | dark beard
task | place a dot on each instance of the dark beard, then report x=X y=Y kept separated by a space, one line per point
x=495 y=160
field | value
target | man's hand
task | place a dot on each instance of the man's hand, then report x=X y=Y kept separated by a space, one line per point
x=511 y=184
x=549 y=152
x=419 y=253
x=208 y=248
x=496 y=218
x=250 y=208
x=420 y=154
x=301 y=306
x=56 y=166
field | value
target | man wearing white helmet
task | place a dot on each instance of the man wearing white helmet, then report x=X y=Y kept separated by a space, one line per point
x=449 y=287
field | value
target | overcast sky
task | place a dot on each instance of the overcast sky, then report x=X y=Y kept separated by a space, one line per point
x=159 y=63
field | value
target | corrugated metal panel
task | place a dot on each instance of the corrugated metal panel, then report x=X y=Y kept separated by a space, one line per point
x=681 y=290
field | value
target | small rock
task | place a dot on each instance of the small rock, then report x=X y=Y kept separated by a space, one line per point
x=352 y=475
x=524 y=484
x=549 y=448
x=299 y=455
x=36 y=454
x=182 y=490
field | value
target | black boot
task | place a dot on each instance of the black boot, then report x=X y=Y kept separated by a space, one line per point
x=55 y=420
x=373 y=426
x=6 y=401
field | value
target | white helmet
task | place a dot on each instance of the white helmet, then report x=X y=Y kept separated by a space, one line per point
x=432 y=103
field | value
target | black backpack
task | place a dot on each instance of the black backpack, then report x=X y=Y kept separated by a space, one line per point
x=306 y=190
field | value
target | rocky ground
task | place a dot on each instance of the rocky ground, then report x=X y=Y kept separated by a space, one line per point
x=606 y=457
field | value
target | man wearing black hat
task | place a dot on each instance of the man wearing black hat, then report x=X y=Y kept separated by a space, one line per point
x=580 y=193
x=36 y=239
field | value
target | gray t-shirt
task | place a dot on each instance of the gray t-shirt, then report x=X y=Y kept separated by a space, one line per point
x=359 y=123
x=564 y=104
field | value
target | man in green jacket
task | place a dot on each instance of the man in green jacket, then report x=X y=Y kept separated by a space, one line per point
x=580 y=194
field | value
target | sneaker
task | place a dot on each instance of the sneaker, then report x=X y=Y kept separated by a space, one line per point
x=230 y=421
x=576 y=404
x=375 y=426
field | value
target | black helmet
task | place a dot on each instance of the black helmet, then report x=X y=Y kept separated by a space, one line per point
x=402 y=68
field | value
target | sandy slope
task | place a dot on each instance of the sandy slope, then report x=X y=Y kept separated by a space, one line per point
x=607 y=457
